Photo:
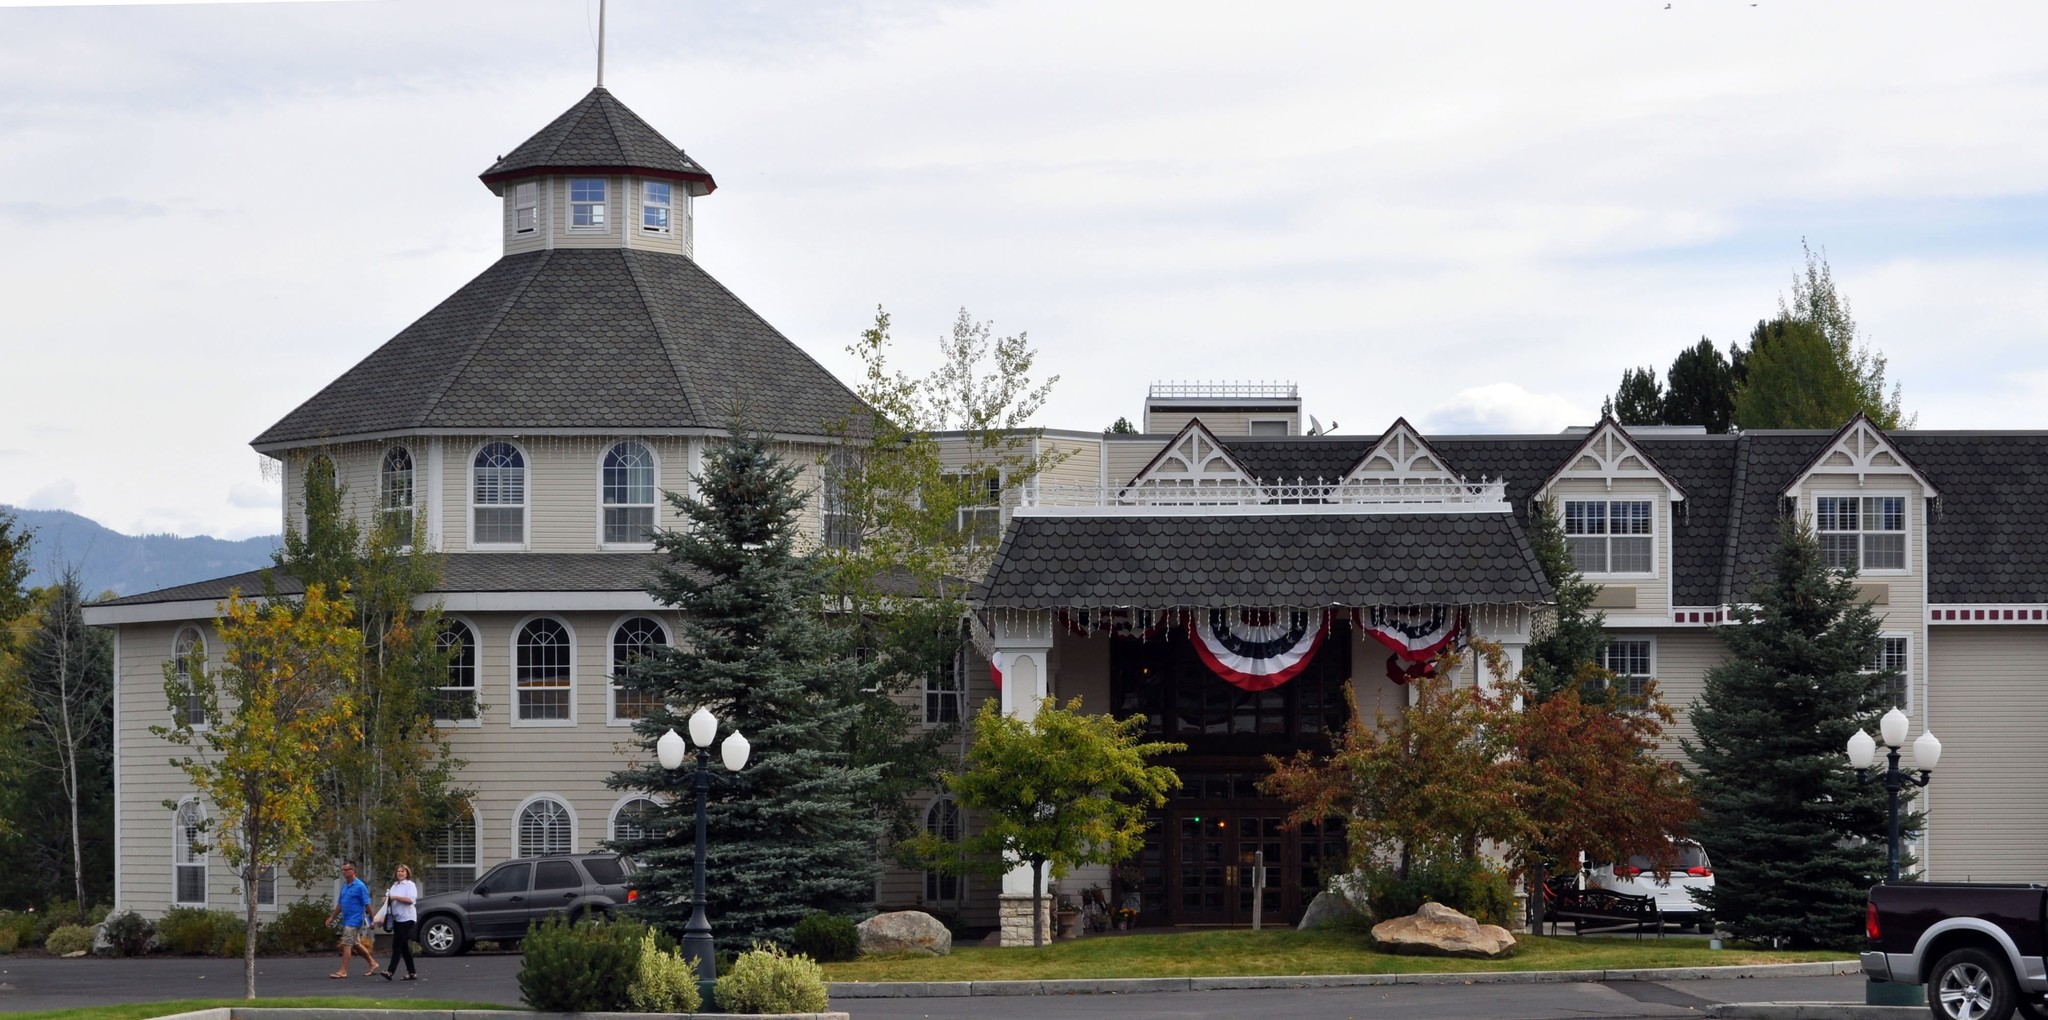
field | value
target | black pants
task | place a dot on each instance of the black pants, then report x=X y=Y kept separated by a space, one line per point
x=402 y=933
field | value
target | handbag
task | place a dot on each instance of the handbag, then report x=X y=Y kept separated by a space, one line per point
x=384 y=919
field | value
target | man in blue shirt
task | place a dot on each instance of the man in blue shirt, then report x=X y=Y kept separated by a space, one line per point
x=353 y=908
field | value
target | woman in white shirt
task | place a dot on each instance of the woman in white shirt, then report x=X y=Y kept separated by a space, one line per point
x=399 y=901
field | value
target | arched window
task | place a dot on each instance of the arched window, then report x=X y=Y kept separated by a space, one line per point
x=942 y=820
x=498 y=496
x=395 y=492
x=543 y=672
x=456 y=698
x=627 y=492
x=454 y=866
x=188 y=656
x=546 y=827
x=188 y=854
x=634 y=819
x=635 y=638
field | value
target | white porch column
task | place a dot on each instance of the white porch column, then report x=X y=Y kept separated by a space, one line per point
x=1024 y=659
x=1509 y=627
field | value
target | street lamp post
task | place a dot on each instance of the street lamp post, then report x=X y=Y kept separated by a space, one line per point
x=1926 y=752
x=697 y=942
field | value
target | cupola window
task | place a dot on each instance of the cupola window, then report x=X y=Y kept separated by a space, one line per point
x=628 y=485
x=656 y=202
x=526 y=207
x=498 y=496
x=586 y=202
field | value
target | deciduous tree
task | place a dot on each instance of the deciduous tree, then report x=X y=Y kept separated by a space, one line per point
x=1795 y=838
x=1062 y=789
x=1808 y=368
x=281 y=700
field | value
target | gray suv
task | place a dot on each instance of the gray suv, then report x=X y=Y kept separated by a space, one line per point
x=500 y=905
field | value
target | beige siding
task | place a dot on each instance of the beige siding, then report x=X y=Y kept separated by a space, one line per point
x=679 y=218
x=558 y=204
x=1905 y=598
x=1127 y=457
x=1081 y=466
x=1167 y=421
x=535 y=239
x=903 y=888
x=1984 y=702
x=1680 y=660
x=1653 y=591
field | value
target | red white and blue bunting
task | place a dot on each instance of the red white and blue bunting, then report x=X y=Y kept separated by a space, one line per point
x=1257 y=649
x=1415 y=634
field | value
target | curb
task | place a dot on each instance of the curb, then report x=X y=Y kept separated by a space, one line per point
x=1812 y=1011
x=337 y=1013
x=1129 y=986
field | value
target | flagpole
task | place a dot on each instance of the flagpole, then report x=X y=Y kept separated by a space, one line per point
x=600 y=43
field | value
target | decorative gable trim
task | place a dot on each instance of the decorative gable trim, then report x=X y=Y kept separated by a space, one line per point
x=1193 y=459
x=1401 y=455
x=1861 y=449
x=1609 y=454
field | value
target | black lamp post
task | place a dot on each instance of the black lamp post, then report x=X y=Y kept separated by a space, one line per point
x=1926 y=752
x=697 y=942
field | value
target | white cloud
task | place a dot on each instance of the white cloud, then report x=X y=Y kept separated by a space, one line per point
x=58 y=495
x=1503 y=407
x=256 y=496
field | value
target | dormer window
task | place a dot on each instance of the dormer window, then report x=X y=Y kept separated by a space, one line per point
x=1609 y=536
x=586 y=203
x=1862 y=533
x=525 y=207
x=656 y=205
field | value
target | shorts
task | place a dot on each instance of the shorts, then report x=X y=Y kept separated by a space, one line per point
x=357 y=935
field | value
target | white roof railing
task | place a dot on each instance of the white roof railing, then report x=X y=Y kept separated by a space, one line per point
x=1237 y=497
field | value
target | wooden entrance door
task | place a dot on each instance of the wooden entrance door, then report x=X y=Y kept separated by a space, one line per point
x=1212 y=863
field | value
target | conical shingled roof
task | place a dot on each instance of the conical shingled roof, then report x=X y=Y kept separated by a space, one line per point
x=599 y=134
x=570 y=339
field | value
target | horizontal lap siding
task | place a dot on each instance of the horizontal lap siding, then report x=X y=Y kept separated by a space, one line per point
x=1985 y=701
x=1683 y=658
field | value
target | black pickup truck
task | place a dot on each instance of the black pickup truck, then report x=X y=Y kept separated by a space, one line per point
x=1978 y=947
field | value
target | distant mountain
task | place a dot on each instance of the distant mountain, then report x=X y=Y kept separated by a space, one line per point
x=126 y=564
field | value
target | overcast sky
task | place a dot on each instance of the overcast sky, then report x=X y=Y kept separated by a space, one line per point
x=1474 y=214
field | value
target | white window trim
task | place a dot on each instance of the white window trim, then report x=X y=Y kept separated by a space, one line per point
x=477 y=690
x=518 y=207
x=261 y=905
x=1656 y=536
x=611 y=687
x=609 y=206
x=200 y=661
x=525 y=493
x=961 y=514
x=1905 y=531
x=476 y=865
x=653 y=455
x=412 y=509
x=1905 y=674
x=1621 y=679
x=958 y=691
x=611 y=822
x=512 y=674
x=1285 y=422
x=575 y=831
x=203 y=863
x=670 y=205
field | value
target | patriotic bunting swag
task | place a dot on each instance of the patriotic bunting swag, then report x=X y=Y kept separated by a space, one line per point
x=1257 y=649
x=1415 y=635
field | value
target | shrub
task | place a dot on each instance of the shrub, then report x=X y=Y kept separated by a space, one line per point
x=24 y=926
x=1472 y=888
x=667 y=983
x=767 y=980
x=582 y=968
x=68 y=939
x=130 y=933
x=230 y=943
x=191 y=931
x=10 y=940
x=827 y=938
x=299 y=928
x=62 y=912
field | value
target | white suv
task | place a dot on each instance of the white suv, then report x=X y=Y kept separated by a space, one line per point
x=1638 y=877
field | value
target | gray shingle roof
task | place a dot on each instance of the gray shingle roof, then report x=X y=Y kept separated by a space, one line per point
x=578 y=338
x=1987 y=536
x=599 y=133
x=460 y=572
x=1290 y=560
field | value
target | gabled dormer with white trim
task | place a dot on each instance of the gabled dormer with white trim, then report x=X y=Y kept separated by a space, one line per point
x=1194 y=467
x=1616 y=505
x=1401 y=460
x=1867 y=501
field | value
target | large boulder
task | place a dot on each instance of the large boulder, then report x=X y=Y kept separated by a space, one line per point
x=905 y=931
x=1329 y=908
x=1437 y=930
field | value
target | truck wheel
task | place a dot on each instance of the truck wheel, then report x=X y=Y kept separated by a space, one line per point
x=1971 y=984
x=2032 y=1009
x=441 y=936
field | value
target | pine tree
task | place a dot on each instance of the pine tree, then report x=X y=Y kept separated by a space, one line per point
x=1699 y=389
x=1568 y=654
x=1638 y=401
x=1796 y=840
x=794 y=831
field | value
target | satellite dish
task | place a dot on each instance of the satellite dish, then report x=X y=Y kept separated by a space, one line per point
x=1315 y=428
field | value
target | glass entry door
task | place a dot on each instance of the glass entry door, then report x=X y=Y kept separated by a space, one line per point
x=1212 y=864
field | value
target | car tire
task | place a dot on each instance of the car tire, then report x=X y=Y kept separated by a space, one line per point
x=1707 y=926
x=441 y=935
x=2032 y=1009
x=1971 y=984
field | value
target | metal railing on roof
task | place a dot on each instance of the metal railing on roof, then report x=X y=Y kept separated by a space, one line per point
x=1224 y=391
x=1364 y=495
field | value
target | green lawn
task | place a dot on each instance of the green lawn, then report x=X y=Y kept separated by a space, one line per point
x=1229 y=953
x=143 y=1010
